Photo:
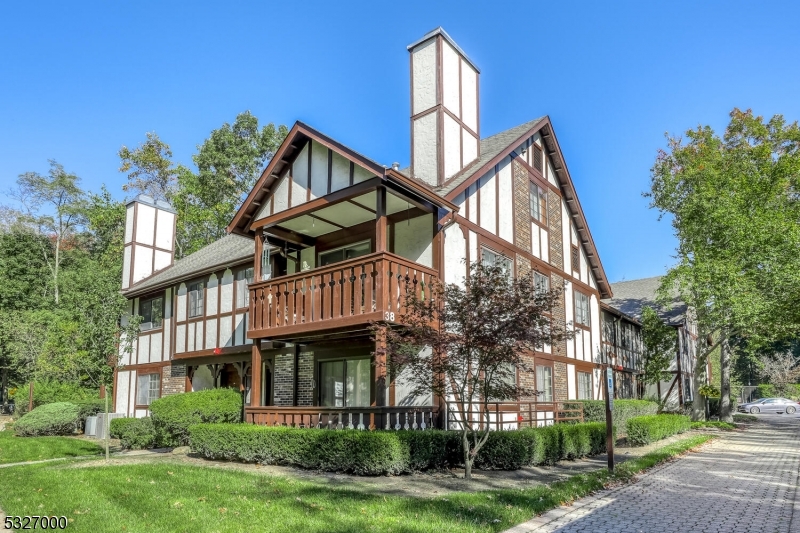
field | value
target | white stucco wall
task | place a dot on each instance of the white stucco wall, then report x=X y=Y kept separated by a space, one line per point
x=164 y=229
x=145 y=224
x=452 y=146
x=424 y=77
x=425 y=149
x=413 y=239
x=488 y=199
x=455 y=252
x=450 y=87
x=319 y=170
x=506 y=202
x=469 y=96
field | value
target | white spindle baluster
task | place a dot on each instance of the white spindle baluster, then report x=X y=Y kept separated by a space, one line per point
x=361 y=421
x=406 y=425
x=414 y=425
x=350 y=425
x=397 y=421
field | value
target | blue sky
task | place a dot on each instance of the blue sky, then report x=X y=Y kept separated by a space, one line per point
x=79 y=80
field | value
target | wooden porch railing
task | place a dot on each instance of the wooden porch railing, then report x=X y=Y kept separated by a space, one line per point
x=366 y=418
x=516 y=415
x=371 y=287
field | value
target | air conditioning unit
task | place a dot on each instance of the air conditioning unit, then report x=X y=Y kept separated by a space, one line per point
x=103 y=424
x=144 y=326
x=90 y=428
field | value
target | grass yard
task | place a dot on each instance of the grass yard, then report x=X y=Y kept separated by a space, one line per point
x=173 y=497
x=18 y=449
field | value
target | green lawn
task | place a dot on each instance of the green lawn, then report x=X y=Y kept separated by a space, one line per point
x=174 y=497
x=15 y=449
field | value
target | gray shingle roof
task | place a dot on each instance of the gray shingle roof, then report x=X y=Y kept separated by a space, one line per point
x=226 y=251
x=630 y=297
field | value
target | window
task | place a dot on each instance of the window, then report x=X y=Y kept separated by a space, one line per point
x=584 y=386
x=544 y=383
x=196 y=294
x=537 y=157
x=148 y=388
x=351 y=251
x=152 y=312
x=538 y=203
x=243 y=278
x=541 y=282
x=492 y=258
x=576 y=259
x=345 y=383
x=581 y=308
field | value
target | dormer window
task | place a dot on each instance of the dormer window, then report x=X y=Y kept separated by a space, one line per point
x=152 y=313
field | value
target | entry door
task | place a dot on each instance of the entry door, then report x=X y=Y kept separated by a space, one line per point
x=345 y=383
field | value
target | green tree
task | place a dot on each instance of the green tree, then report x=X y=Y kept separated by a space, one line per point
x=734 y=206
x=659 y=342
x=149 y=168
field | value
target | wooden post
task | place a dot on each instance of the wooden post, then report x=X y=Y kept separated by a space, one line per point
x=257 y=367
x=609 y=377
x=30 y=397
x=259 y=252
x=102 y=391
x=380 y=220
x=380 y=375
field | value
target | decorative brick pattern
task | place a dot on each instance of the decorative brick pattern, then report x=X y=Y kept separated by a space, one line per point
x=522 y=207
x=284 y=379
x=560 y=387
x=523 y=265
x=173 y=380
x=526 y=377
x=559 y=313
x=305 y=379
x=554 y=224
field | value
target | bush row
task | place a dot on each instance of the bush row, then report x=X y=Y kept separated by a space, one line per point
x=595 y=410
x=393 y=452
x=173 y=415
x=134 y=433
x=643 y=430
x=46 y=392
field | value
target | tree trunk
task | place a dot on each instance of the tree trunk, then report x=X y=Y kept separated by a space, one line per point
x=467 y=457
x=699 y=379
x=725 y=414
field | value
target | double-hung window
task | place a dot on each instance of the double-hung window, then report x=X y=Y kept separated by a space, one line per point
x=584 y=386
x=148 y=388
x=492 y=258
x=544 y=383
x=244 y=277
x=196 y=296
x=582 y=309
x=152 y=313
x=538 y=203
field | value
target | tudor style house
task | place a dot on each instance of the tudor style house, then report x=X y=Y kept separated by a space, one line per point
x=329 y=240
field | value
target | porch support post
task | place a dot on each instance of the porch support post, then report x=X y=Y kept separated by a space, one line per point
x=255 y=390
x=380 y=220
x=380 y=375
x=257 y=259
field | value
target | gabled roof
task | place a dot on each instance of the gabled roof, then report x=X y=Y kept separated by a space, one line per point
x=499 y=146
x=292 y=144
x=631 y=297
x=228 y=250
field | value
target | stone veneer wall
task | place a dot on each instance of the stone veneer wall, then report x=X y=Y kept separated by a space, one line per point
x=522 y=207
x=173 y=380
x=305 y=379
x=284 y=379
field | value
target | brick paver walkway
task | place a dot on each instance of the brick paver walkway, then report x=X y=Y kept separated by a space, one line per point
x=743 y=482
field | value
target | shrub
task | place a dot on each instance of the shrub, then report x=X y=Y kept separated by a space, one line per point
x=650 y=428
x=595 y=411
x=713 y=424
x=173 y=415
x=744 y=418
x=59 y=418
x=134 y=433
x=45 y=392
x=352 y=451
x=391 y=452
x=87 y=408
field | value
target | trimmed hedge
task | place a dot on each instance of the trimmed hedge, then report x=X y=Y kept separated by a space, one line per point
x=134 y=433
x=393 y=452
x=59 y=418
x=173 y=415
x=87 y=408
x=650 y=428
x=595 y=410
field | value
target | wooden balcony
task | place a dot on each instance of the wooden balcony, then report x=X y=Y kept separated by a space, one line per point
x=365 y=418
x=349 y=293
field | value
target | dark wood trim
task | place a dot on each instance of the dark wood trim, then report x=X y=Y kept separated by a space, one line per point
x=440 y=178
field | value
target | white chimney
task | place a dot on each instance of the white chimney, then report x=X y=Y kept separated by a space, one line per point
x=445 y=125
x=149 y=239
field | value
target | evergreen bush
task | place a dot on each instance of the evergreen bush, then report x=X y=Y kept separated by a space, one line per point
x=173 y=415
x=595 y=410
x=60 y=418
x=650 y=428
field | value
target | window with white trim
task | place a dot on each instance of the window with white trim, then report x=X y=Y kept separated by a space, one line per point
x=148 y=388
x=541 y=282
x=544 y=383
x=196 y=297
x=584 y=386
x=582 y=309
x=538 y=203
x=244 y=278
x=492 y=258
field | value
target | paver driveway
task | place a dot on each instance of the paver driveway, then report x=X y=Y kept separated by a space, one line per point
x=742 y=482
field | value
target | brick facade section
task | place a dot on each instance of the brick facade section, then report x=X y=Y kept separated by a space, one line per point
x=526 y=377
x=284 y=379
x=522 y=207
x=559 y=313
x=554 y=225
x=173 y=385
x=305 y=379
x=523 y=266
x=560 y=386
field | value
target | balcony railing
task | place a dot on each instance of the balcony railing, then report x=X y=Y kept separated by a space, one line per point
x=366 y=418
x=517 y=415
x=357 y=291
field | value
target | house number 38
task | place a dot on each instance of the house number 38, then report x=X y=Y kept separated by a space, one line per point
x=388 y=316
